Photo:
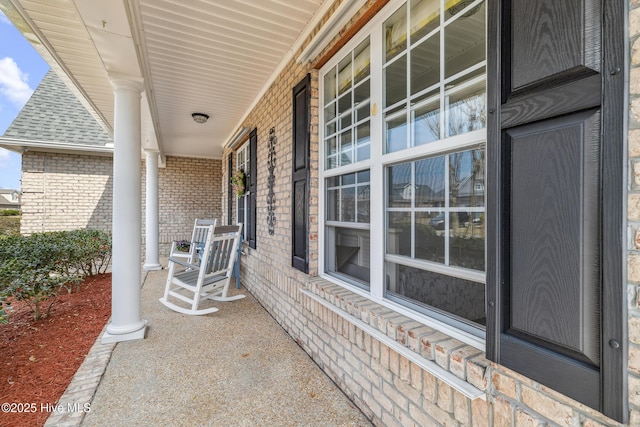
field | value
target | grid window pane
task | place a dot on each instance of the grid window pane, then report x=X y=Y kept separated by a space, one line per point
x=429 y=238
x=430 y=182
x=426 y=196
x=466 y=108
x=425 y=120
x=348 y=254
x=466 y=178
x=458 y=297
x=395 y=33
x=425 y=64
x=350 y=77
x=465 y=40
x=395 y=79
x=428 y=158
x=425 y=17
x=396 y=131
x=399 y=233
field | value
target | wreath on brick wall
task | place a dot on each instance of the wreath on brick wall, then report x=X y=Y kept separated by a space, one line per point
x=238 y=182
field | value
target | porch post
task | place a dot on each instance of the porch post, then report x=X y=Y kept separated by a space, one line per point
x=152 y=260
x=126 y=323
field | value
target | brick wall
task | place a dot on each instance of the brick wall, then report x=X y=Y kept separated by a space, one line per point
x=380 y=359
x=188 y=188
x=68 y=192
x=65 y=192
x=633 y=265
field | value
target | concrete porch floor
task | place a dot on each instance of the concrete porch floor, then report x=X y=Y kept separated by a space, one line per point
x=234 y=367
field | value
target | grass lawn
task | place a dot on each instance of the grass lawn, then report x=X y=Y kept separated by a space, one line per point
x=10 y=225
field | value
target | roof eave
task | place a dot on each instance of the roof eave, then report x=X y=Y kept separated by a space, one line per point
x=23 y=145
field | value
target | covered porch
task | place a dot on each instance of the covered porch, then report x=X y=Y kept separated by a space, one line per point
x=436 y=194
x=237 y=368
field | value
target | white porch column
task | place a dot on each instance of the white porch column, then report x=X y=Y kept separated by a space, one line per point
x=152 y=260
x=126 y=323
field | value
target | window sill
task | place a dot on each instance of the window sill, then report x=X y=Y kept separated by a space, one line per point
x=459 y=365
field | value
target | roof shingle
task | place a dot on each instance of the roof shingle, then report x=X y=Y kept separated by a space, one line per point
x=54 y=114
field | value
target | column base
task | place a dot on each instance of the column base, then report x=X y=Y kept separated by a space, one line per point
x=108 y=338
x=149 y=267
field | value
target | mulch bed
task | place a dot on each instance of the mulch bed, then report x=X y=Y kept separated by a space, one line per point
x=39 y=359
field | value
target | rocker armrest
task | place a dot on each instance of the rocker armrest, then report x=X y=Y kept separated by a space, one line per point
x=183 y=263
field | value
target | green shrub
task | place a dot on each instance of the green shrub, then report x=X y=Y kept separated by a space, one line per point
x=10 y=225
x=9 y=212
x=34 y=268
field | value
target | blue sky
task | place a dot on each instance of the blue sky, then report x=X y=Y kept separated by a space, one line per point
x=21 y=69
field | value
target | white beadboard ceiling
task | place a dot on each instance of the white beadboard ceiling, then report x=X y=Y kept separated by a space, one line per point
x=208 y=56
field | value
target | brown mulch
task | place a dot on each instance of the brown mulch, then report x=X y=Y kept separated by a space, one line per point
x=39 y=359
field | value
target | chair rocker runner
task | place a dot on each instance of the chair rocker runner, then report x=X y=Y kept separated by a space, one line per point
x=192 y=283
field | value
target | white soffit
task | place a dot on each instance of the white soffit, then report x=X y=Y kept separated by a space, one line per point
x=216 y=57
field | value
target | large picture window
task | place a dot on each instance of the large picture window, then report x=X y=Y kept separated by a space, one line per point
x=403 y=171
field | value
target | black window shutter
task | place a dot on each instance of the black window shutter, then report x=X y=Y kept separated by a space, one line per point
x=253 y=188
x=555 y=239
x=300 y=175
x=230 y=194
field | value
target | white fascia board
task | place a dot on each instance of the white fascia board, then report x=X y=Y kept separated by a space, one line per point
x=24 y=145
x=330 y=29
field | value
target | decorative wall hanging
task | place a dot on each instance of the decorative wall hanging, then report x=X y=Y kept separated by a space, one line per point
x=239 y=182
x=271 y=180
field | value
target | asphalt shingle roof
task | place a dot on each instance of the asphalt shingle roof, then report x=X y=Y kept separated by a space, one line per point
x=53 y=113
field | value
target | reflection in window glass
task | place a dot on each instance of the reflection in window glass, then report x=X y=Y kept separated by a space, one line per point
x=429 y=182
x=348 y=197
x=425 y=17
x=429 y=243
x=435 y=207
x=396 y=131
x=395 y=79
x=458 y=297
x=399 y=192
x=425 y=64
x=347 y=108
x=363 y=139
x=445 y=98
x=425 y=120
x=348 y=255
x=348 y=201
x=466 y=240
x=330 y=85
x=466 y=178
x=399 y=233
x=361 y=62
x=344 y=75
x=428 y=158
x=466 y=108
x=465 y=40
x=395 y=33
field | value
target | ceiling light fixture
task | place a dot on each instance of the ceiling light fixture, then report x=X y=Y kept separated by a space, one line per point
x=200 y=118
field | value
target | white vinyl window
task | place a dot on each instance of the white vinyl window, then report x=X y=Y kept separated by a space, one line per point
x=403 y=160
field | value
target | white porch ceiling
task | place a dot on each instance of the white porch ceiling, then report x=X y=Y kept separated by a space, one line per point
x=208 y=56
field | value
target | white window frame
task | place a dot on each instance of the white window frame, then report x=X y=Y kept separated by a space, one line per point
x=376 y=165
x=244 y=148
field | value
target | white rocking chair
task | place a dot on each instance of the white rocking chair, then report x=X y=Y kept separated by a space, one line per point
x=198 y=239
x=210 y=278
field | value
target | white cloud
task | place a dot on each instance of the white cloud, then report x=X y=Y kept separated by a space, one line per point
x=4 y=19
x=14 y=83
x=4 y=157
